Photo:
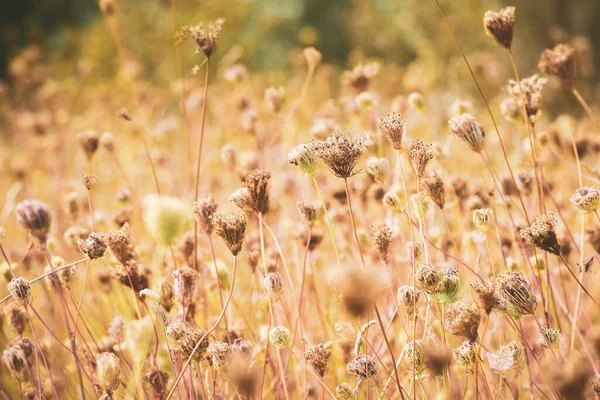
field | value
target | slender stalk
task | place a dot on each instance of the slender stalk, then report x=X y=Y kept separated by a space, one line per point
x=214 y=257
x=585 y=106
x=329 y=223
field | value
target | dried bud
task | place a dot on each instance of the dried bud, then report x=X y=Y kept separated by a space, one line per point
x=20 y=290
x=420 y=155
x=157 y=380
x=206 y=40
x=89 y=181
x=416 y=101
x=17 y=317
x=258 y=183
x=528 y=92
x=467 y=129
x=16 y=362
x=378 y=168
x=407 y=299
x=514 y=293
x=34 y=216
x=500 y=25
x=363 y=367
x=188 y=342
x=344 y=391
x=381 y=236
x=309 y=212
x=220 y=354
x=204 y=209
x=305 y=160
x=485 y=296
x=318 y=357
x=427 y=278
x=392 y=127
x=550 y=336
x=434 y=186
x=466 y=357
x=89 y=142
x=414 y=355
x=392 y=202
x=542 y=234
x=560 y=63
x=312 y=56
x=340 y=152
x=274 y=285
x=280 y=337
x=185 y=284
x=107 y=371
x=586 y=199
x=94 y=246
x=482 y=218
x=463 y=320
x=232 y=229
x=448 y=285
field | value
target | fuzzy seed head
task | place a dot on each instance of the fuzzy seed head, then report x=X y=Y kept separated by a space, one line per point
x=392 y=202
x=448 y=286
x=550 y=336
x=107 y=371
x=36 y=217
x=419 y=204
x=16 y=362
x=309 y=212
x=465 y=356
x=483 y=218
x=407 y=299
x=378 y=168
x=184 y=284
x=17 y=317
x=530 y=96
x=258 y=183
x=500 y=25
x=280 y=337
x=220 y=354
x=515 y=295
x=344 y=391
x=466 y=128
x=89 y=142
x=427 y=278
x=312 y=56
x=507 y=357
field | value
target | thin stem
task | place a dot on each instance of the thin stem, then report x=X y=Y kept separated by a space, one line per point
x=585 y=106
x=329 y=223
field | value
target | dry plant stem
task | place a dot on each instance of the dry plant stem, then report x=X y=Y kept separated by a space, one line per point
x=203 y=121
x=487 y=106
x=38 y=349
x=577 y=280
x=585 y=106
x=216 y=324
x=279 y=362
x=214 y=257
x=362 y=258
x=329 y=223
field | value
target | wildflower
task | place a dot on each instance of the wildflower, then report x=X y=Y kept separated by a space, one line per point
x=344 y=391
x=107 y=371
x=414 y=355
x=392 y=202
x=447 y=287
x=36 y=217
x=118 y=242
x=360 y=77
x=515 y=294
x=206 y=39
x=463 y=320
x=381 y=236
x=20 y=290
x=434 y=186
x=303 y=157
x=416 y=101
x=165 y=217
x=341 y=152
x=531 y=95
x=185 y=284
x=16 y=362
x=258 y=183
x=89 y=181
x=407 y=299
x=94 y=246
x=485 y=296
x=242 y=200
x=363 y=367
x=466 y=128
x=309 y=212
x=89 y=142
x=427 y=277
x=232 y=229
x=274 y=285
x=507 y=357
x=420 y=154
x=392 y=127
x=189 y=341
x=482 y=218
x=17 y=317
x=280 y=337
x=542 y=234
x=378 y=168
x=312 y=56
x=204 y=209
x=500 y=25
x=318 y=357
x=220 y=354
x=560 y=63
x=466 y=356
x=586 y=199
x=550 y=336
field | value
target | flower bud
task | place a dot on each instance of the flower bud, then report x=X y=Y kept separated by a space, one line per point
x=280 y=337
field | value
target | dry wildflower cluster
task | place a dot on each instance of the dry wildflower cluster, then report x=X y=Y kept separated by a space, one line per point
x=187 y=243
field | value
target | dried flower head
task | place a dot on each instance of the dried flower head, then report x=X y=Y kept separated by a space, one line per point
x=392 y=202
x=514 y=294
x=542 y=234
x=466 y=356
x=485 y=296
x=318 y=357
x=16 y=316
x=560 y=63
x=434 y=186
x=94 y=246
x=303 y=157
x=204 y=210
x=414 y=355
x=280 y=337
x=586 y=199
x=500 y=25
x=392 y=127
x=274 y=285
x=20 y=290
x=482 y=218
x=408 y=298
x=463 y=320
x=185 y=284
x=157 y=380
x=427 y=278
x=232 y=229
x=420 y=155
x=531 y=95
x=360 y=77
x=108 y=370
x=220 y=354
x=466 y=128
x=258 y=183
x=34 y=216
x=206 y=39
x=378 y=168
x=89 y=142
x=119 y=243
x=309 y=212
x=190 y=341
x=16 y=362
x=360 y=288
x=549 y=336
x=344 y=391
x=341 y=152
x=507 y=357
x=363 y=367
x=447 y=287
x=381 y=236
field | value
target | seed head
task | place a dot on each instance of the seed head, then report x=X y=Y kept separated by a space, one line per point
x=378 y=168
x=157 y=380
x=363 y=367
x=427 y=277
x=531 y=95
x=312 y=56
x=189 y=341
x=586 y=199
x=16 y=362
x=232 y=229
x=17 y=317
x=482 y=218
x=94 y=246
x=507 y=357
x=500 y=25
x=258 y=183
x=466 y=356
x=280 y=337
x=407 y=299
x=340 y=152
x=485 y=296
x=36 y=217
x=360 y=77
x=560 y=63
x=550 y=336
x=463 y=320
x=309 y=212
x=392 y=127
x=542 y=234
x=447 y=287
x=107 y=371
x=318 y=357
x=220 y=355
x=434 y=186
x=204 y=209
x=420 y=154
x=274 y=285
x=20 y=290
x=381 y=236
x=303 y=157
x=392 y=202
x=466 y=128
x=344 y=391
x=206 y=39
x=185 y=284
x=119 y=243
x=414 y=355
x=89 y=142
x=515 y=295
